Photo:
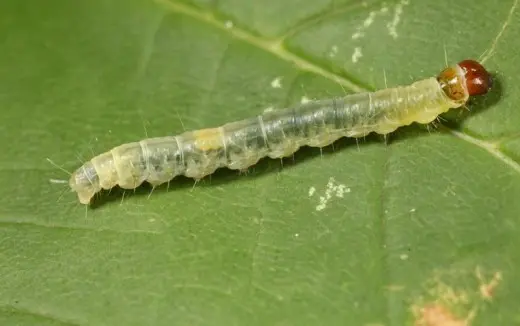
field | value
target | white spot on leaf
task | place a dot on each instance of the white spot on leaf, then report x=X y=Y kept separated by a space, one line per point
x=398 y=11
x=333 y=51
x=356 y=55
x=277 y=82
x=391 y=26
x=369 y=20
x=333 y=190
x=228 y=24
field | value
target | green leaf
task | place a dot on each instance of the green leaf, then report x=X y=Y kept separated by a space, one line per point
x=420 y=229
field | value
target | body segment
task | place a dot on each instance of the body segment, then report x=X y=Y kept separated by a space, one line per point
x=276 y=134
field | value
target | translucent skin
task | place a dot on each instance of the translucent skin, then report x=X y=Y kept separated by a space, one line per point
x=240 y=144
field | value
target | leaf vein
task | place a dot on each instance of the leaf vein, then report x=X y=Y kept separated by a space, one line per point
x=9 y=309
x=18 y=224
x=274 y=47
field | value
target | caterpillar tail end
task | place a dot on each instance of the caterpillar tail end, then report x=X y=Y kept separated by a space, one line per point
x=85 y=182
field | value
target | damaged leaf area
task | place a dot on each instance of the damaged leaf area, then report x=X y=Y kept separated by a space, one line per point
x=455 y=297
x=417 y=228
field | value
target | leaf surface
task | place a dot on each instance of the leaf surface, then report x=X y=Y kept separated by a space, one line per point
x=418 y=230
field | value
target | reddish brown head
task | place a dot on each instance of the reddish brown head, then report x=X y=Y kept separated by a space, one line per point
x=465 y=79
x=478 y=80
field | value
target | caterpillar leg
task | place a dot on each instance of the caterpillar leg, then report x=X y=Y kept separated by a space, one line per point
x=244 y=171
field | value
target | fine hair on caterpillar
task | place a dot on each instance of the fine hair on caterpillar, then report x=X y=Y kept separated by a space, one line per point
x=279 y=133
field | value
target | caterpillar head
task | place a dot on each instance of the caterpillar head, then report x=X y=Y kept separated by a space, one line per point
x=465 y=79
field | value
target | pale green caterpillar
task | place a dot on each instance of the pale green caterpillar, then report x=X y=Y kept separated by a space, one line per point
x=277 y=134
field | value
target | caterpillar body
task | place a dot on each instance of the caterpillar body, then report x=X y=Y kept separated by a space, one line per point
x=277 y=134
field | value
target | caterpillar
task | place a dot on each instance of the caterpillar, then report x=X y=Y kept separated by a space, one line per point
x=277 y=134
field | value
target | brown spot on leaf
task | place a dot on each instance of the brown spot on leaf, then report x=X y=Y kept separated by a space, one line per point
x=452 y=297
x=437 y=315
x=487 y=289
